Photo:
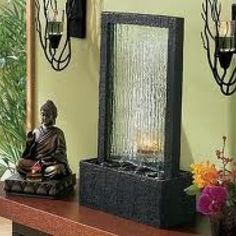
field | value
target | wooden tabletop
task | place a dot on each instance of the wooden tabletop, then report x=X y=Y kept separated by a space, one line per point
x=67 y=217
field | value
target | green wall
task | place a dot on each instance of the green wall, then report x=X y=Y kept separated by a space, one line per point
x=207 y=115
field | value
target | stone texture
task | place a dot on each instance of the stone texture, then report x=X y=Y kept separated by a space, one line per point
x=161 y=203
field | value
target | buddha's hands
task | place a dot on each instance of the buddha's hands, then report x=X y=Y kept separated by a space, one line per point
x=36 y=168
x=30 y=145
x=30 y=137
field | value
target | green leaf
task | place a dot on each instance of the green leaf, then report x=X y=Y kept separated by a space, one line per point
x=232 y=193
x=2 y=170
x=192 y=190
x=12 y=80
x=229 y=203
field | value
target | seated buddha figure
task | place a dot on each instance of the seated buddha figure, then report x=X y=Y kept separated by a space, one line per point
x=45 y=152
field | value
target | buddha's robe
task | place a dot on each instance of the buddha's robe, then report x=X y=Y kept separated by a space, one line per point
x=48 y=146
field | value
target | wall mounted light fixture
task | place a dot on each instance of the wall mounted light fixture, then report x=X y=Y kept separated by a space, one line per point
x=223 y=36
x=56 y=27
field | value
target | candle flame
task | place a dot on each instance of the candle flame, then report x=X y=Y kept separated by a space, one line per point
x=148 y=147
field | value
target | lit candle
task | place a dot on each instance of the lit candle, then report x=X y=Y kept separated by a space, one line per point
x=226 y=36
x=148 y=148
x=55 y=27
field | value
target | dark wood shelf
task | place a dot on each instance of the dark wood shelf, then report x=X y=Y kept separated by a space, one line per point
x=67 y=217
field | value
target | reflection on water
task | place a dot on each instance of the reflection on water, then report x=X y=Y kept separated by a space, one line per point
x=139 y=61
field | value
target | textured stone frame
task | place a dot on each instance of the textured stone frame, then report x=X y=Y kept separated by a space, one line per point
x=174 y=83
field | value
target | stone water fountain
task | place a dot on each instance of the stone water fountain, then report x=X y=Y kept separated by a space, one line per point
x=136 y=174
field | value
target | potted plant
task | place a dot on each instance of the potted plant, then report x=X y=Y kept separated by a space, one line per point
x=12 y=84
x=215 y=189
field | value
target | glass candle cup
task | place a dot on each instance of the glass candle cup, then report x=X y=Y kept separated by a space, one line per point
x=226 y=40
x=55 y=28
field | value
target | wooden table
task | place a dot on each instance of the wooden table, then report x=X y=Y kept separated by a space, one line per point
x=67 y=218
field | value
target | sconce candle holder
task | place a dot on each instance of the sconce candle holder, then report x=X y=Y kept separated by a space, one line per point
x=223 y=37
x=55 y=28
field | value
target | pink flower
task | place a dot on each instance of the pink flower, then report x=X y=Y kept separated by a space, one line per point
x=211 y=200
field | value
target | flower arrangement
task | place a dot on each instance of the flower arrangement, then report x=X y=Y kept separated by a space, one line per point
x=214 y=187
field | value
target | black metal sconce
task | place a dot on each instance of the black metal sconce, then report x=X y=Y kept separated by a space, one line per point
x=224 y=39
x=54 y=37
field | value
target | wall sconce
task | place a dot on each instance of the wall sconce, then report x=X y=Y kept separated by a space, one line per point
x=224 y=38
x=55 y=28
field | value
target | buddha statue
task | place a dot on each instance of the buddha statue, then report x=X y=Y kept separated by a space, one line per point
x=45 y=152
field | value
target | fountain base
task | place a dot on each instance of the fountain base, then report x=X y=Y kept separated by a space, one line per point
x=134 y=195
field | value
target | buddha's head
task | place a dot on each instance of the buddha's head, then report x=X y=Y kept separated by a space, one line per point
x=48 y=113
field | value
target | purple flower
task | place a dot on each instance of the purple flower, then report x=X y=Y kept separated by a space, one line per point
x=211 y=200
